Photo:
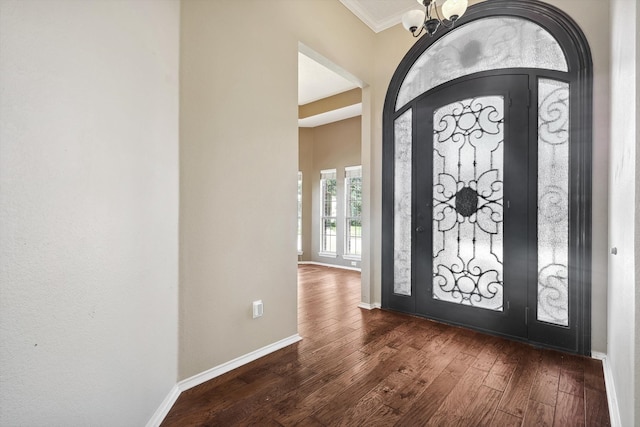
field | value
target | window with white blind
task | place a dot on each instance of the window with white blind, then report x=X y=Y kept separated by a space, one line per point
x=353 y=212
x=328 y=215
x=299 y=213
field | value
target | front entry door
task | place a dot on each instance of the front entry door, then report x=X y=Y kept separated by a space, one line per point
x=487 y=177
x=470 y=210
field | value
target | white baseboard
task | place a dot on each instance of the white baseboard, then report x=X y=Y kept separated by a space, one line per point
x=216 y=371
x=165 y=407
x=612 y=398
x=344 y=267
x=368 y=306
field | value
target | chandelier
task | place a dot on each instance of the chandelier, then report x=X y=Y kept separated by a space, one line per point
x=430 y=19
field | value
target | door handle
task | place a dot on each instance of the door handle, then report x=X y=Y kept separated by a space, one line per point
x=420 y=229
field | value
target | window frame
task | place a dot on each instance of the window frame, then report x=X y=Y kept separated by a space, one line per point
x=324 y=251
x=299 y=242
x=354 y=256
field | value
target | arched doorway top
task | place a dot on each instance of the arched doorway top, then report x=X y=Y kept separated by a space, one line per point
x=485 y=44
x=498 y=29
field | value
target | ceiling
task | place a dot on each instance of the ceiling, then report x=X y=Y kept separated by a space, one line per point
x=331 y=116
x=380 y=14
x=316 y=81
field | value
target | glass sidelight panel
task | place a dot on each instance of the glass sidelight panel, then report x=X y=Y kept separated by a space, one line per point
x=468 y=146
x=402 y=205
x=553 y=202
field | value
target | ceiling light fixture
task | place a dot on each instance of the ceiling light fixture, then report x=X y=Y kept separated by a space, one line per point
x=430 y=19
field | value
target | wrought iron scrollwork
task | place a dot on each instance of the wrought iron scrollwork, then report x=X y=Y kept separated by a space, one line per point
x=402 y=205
x=553 y=294
x=553 y=204
x=468 y=202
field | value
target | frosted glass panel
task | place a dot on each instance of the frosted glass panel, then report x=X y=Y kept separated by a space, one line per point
x=468 y=145
x=484 y=44
x=553 y=204
x=402 y=206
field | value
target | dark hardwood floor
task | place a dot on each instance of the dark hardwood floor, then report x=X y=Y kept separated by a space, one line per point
x=374 y=368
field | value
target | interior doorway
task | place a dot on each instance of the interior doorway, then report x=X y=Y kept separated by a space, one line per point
x=331 y=196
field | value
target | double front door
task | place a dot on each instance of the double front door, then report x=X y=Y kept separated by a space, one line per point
x=475 y=251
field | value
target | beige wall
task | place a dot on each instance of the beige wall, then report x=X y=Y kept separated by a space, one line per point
x=89 y=189
x=335 y=102
x=305 y=165
x=216 y=101
x=89 y=211
x=332 y=146
x=391 y=46
x=239 y=127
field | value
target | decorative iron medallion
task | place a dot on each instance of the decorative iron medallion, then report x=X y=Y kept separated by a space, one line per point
x=468 y=146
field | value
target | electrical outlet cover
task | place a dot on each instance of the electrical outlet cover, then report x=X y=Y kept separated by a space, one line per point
x=258 y=309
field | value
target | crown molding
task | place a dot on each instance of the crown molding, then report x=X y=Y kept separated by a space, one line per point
x=358 y=8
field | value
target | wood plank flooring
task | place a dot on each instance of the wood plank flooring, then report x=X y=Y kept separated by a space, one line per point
x=356 y=367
